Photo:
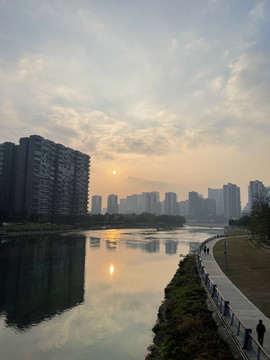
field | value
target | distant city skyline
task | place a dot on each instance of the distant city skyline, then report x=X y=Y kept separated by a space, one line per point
x=213 y=193
x=174 y=98
x=224 y=202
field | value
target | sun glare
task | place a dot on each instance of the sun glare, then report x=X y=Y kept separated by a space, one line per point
x=111 y=270
x=114 y=172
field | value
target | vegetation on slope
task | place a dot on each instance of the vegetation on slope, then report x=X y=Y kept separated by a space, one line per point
x=185 y=328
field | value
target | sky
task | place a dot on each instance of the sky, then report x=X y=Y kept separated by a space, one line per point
x=174 y=96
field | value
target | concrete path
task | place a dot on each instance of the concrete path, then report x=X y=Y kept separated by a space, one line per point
x=248 y=313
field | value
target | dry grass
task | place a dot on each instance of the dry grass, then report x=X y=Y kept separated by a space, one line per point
x=248 y=269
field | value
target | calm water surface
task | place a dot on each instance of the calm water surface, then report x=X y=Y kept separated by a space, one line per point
x=88 y=295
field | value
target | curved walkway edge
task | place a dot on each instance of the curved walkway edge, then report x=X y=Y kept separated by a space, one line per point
x=239 y=305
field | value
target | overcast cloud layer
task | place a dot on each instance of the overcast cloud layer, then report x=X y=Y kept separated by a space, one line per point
x=165 y=92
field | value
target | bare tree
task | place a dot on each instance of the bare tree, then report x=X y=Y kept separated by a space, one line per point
x=260 y=216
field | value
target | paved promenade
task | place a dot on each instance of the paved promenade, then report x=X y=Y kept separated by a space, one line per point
x=248 y=313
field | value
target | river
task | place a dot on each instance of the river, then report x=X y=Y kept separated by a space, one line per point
x=87 y=295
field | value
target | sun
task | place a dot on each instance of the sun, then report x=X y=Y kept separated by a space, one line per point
x=114 y=172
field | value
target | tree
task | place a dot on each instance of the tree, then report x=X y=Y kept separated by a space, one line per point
x=260 y=217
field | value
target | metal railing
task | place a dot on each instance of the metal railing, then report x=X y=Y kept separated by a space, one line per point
x=242 y=334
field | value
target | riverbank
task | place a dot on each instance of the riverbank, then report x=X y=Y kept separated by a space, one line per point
x=11 y=229
x=185 y=328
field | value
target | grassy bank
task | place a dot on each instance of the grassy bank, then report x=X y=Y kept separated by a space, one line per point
x=185 y=328
x=248 y=268
x=32 y=228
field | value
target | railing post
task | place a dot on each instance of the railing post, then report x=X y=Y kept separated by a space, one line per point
x=232 y=319
x=247 y=340
x=206 y=279
x=238 y=328
x=220 y=304
x=259 y=354
x=214 y=290
x=226 y=307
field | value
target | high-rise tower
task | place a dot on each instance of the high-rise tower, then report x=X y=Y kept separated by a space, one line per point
x=112 y=204
x=232 y=204
x=49 y=178
x=96 y=204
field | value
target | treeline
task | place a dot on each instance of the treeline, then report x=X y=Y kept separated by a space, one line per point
x=107 y=219
x=258 y=222
x=143 y=218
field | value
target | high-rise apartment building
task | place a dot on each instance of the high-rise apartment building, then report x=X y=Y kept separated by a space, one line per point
x=132 y=204
x=217 y=195
x=232 y=203
x=49 y=178
x=170 y=203
x=208 y=207
x=256 y=191
x=96 y=204
x=153 y=206
x=183 y=208
x=139 y=203
x=7 y=176
x=143 y=202
x=122 y=206
x=194 y=204
x=112 y=204
x=200 y=207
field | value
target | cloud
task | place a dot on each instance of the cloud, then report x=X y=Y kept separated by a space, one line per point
x=194 y=44
x=217 y=83
x=97 y=81
x=248 y=87
x=257 y=13
x=151 y=183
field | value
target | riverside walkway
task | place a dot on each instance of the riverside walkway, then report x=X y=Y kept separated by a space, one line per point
x=244 y=309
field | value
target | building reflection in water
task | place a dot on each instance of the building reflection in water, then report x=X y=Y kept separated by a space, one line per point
x=94 y=242
x=112 y=236
x=193 y=245
x=40 y=278
x=151 y=247
x=111 y=245
x=171 y=247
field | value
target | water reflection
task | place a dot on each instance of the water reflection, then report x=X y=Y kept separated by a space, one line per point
x=111 y=245
x=171 y=247
x=40 y=278
x=94 y=242
x=193 y=246
x=111 y=269
x=120 y=282
x=151 y=247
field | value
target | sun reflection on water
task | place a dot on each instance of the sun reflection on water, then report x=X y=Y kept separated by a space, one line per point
x=111 y=269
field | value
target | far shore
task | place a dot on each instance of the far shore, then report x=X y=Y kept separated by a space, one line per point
x=47 y=229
